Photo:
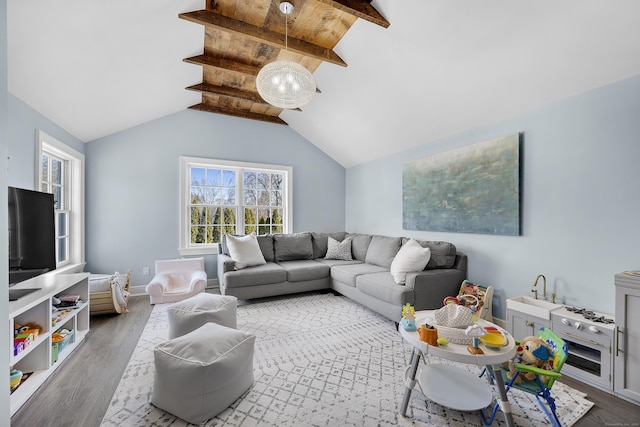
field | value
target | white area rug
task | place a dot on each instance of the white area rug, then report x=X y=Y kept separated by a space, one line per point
x=320 y=360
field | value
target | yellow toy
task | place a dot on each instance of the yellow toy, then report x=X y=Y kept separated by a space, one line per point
x=408 y=321
x=531 y=351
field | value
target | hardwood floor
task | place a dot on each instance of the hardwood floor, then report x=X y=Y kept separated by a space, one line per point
x=78 y=394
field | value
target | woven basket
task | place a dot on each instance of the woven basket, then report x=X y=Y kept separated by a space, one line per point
x=453 y=335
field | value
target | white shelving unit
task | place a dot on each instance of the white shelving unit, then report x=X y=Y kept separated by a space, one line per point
x=36 y=359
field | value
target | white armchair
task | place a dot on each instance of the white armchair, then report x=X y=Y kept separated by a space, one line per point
x=177 y=279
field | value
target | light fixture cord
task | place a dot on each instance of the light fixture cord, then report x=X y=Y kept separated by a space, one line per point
x=286 y=32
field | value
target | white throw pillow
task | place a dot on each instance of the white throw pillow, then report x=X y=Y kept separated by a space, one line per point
x=339 y=250
x=245 y=250
x=410 y=257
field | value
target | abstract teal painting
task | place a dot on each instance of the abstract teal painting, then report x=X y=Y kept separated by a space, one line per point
x=473 y=189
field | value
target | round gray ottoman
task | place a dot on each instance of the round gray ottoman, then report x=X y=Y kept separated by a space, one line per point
x=189 y=314
x=199 y=374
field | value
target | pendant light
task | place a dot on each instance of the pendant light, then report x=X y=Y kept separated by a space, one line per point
x=285 y=84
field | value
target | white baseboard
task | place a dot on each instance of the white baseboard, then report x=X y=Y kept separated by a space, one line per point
x=140 y=289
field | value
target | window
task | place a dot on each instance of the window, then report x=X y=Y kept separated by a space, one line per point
x=220 y=197
x=60 y=171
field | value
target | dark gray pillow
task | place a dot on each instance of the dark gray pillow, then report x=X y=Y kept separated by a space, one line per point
x=320 y=242
x=359 y=245
x=443 y=254
x=382 y=250
x=266 y=246
x=291 y=247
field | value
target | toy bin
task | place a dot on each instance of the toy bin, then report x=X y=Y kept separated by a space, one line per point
x=59 y=341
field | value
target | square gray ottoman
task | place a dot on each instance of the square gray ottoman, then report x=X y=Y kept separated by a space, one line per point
x=198 y=375
x=189 y=314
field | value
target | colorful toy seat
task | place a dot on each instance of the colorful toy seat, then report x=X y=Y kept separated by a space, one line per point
x=477 y=297
x=544 y=378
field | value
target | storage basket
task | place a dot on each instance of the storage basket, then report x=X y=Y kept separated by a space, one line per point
x=453 y=335
x=59 y=341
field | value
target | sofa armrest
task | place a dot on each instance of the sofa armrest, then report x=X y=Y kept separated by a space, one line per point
x=431 y=287
x=460 y=263
x=225 y=264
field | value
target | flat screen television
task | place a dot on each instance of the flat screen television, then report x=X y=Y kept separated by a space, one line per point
x=32 y=235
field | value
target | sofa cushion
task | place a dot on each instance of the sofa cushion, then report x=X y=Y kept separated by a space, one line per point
x=300 y=271
x=258 y=275
x=382 y=250
x=245 y=251
x=266 y=246
x=347 y=273
x=332 y=262
x=320 y=242
x=411 y=257
x=382 y=286
x=359 y=245
x=290 y=247
x=443 y=254
x=339 y=250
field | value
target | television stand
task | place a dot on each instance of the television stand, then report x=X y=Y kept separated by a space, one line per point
x=41 y=358
x=16 y=294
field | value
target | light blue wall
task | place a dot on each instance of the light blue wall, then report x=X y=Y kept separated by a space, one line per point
x=4 y=265
x=24 y=123
x=580 y=200
x=133 y=184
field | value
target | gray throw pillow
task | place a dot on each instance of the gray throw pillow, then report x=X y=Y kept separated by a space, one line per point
x=339 y=250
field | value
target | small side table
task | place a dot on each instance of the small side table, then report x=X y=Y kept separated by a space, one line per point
x=449 y=385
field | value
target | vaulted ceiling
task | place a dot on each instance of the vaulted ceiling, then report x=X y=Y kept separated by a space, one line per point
x=241 y=37
x=392 y=74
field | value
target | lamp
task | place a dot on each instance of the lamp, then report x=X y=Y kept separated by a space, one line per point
x=285 y=84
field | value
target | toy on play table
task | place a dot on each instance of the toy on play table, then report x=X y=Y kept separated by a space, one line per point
x=428 y=334
x=475 y=331
x=408 y=321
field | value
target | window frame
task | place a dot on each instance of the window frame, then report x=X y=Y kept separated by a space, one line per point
x=186 y=247
x=74 y=176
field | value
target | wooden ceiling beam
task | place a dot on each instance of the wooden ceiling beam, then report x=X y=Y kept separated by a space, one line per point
x=238 y=113
x=359 y=8
x=231 y=92
x=227 y=91
x=225 y=64
x=262 y=35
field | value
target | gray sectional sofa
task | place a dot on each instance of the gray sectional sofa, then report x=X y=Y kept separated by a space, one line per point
x=296 y=263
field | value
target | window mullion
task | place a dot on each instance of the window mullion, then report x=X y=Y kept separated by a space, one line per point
x=240 y=200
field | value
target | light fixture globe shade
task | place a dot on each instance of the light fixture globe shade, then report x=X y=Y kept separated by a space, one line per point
x=285 y=84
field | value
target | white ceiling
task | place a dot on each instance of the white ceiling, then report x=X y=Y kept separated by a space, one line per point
x=442 y=67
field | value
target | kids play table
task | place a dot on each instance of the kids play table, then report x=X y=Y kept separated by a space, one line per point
x=452 y=386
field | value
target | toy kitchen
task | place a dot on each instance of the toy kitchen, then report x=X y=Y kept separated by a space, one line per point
x=590 y=336
x=603 y=349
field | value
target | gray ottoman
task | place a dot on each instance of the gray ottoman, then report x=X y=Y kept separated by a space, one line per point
x=198 y=375
x=189 y=314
